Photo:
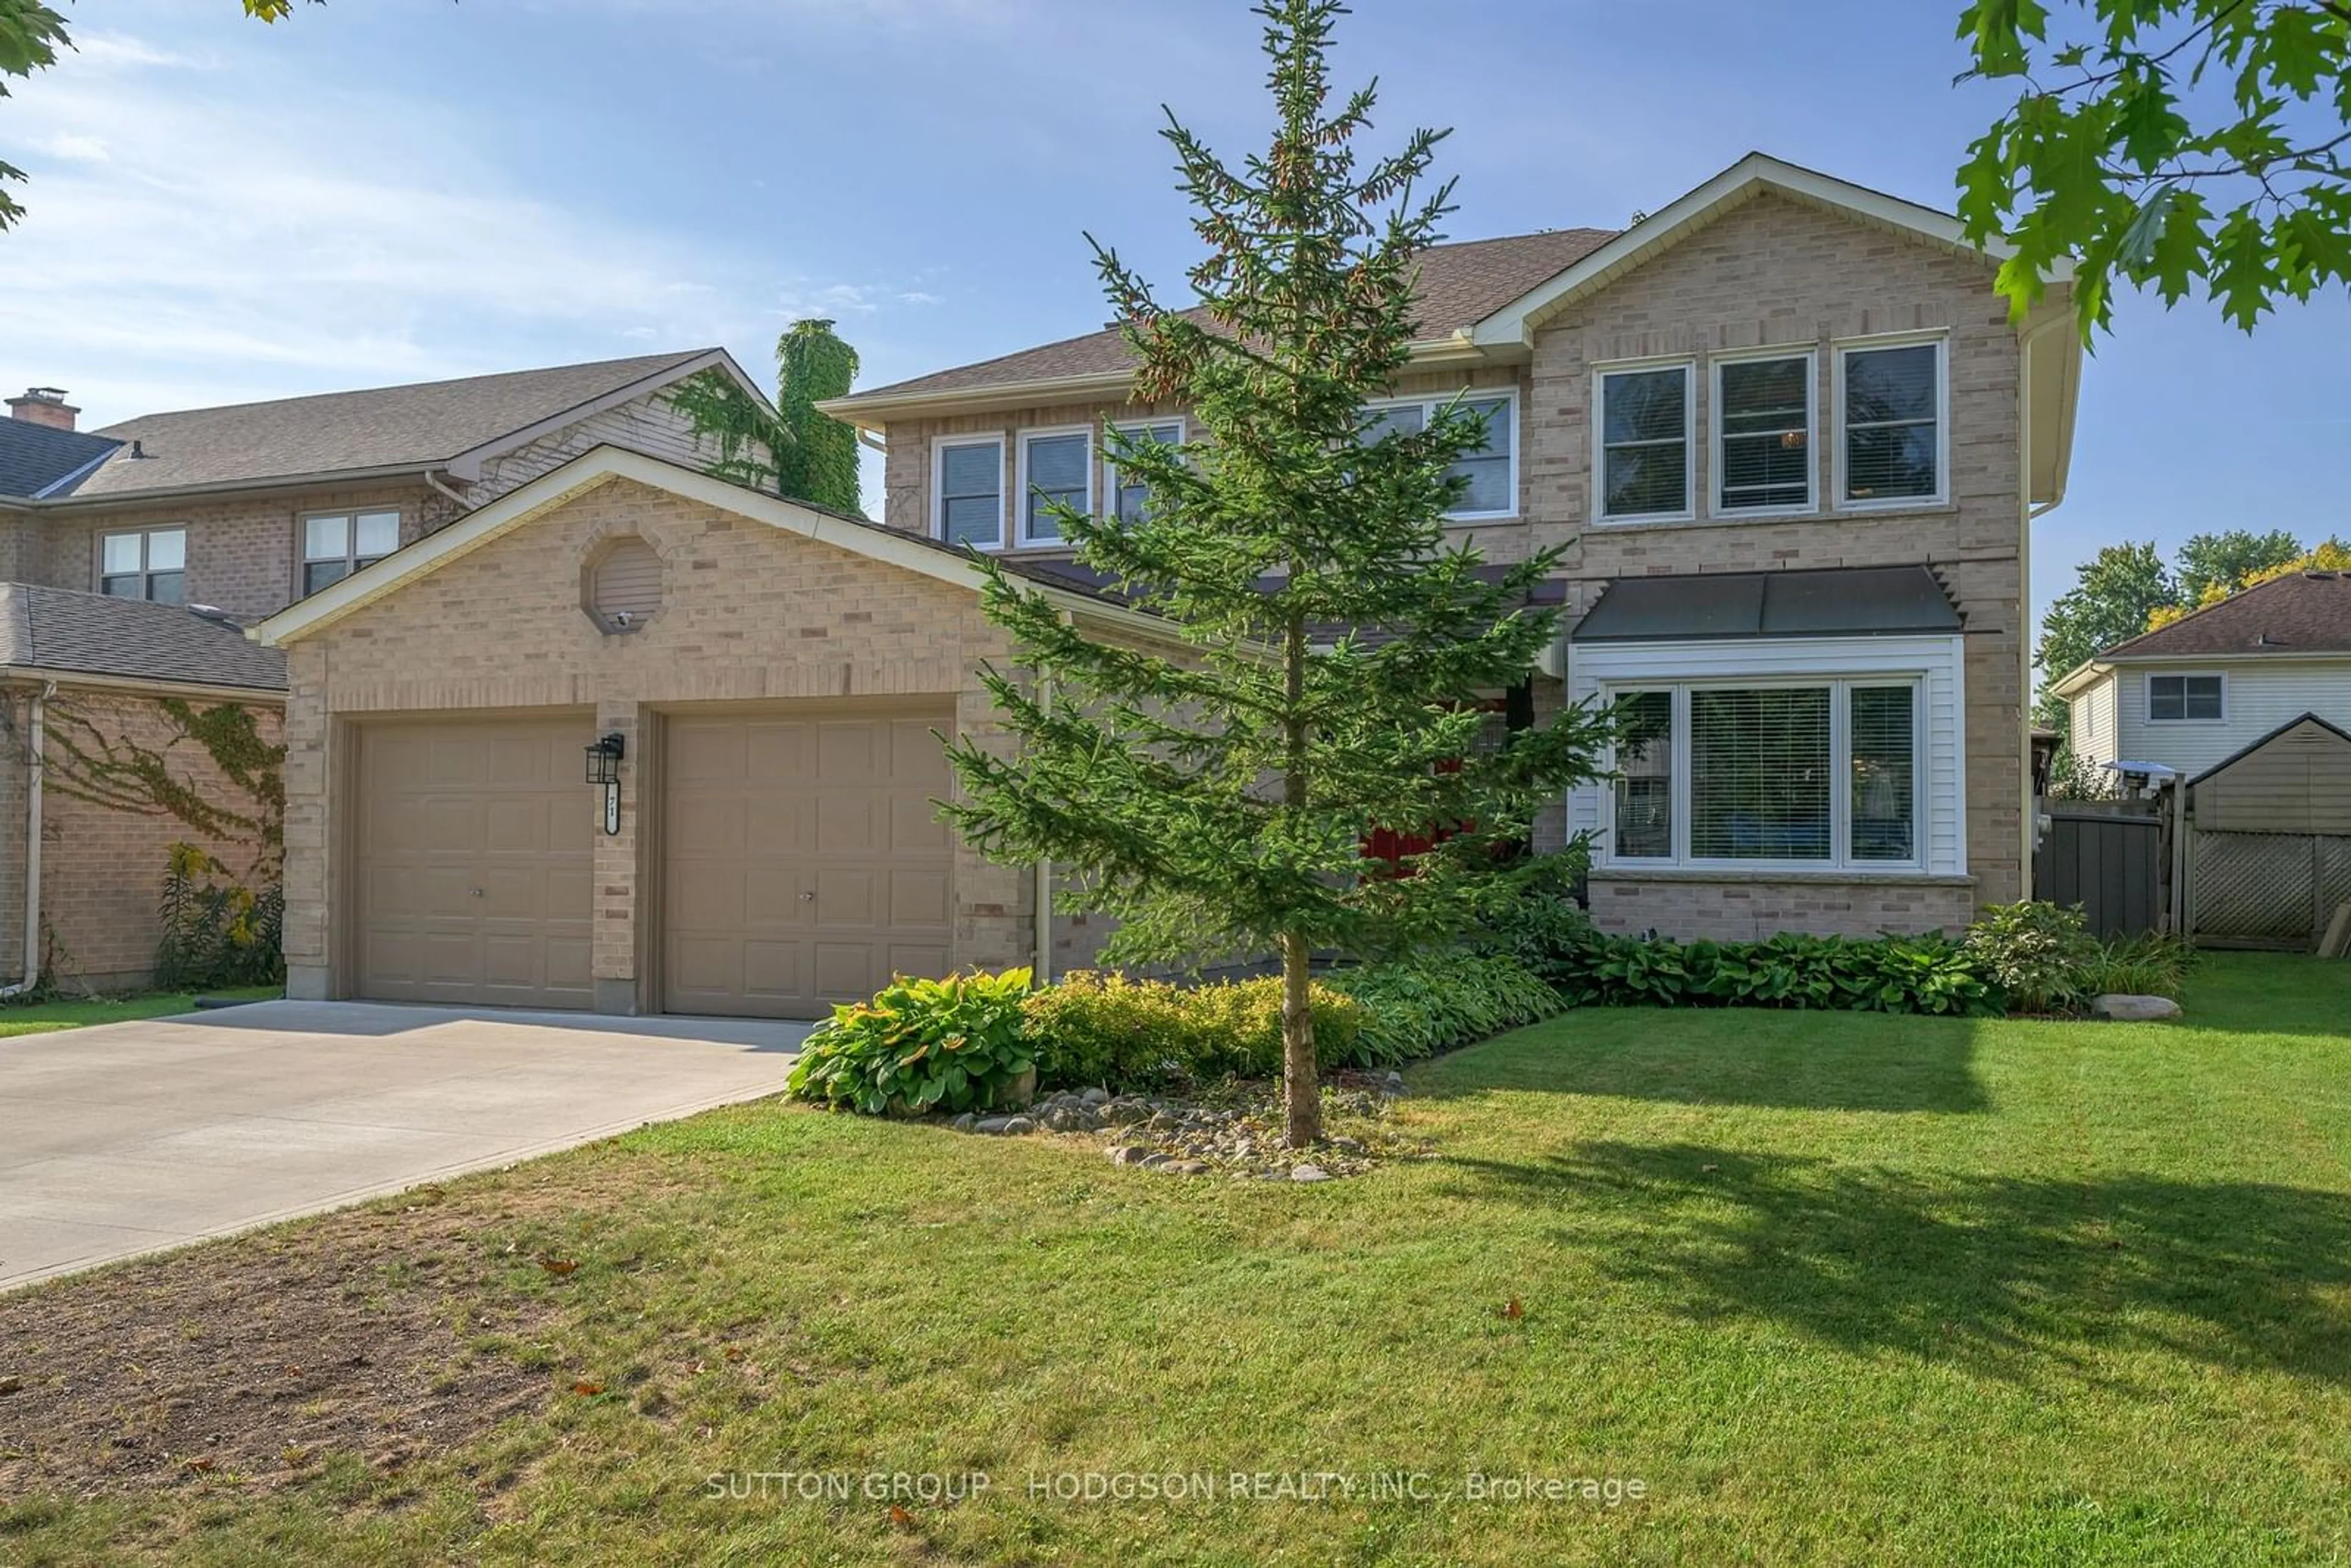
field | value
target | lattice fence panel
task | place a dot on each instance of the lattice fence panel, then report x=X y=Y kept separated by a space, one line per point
x=2266 y=887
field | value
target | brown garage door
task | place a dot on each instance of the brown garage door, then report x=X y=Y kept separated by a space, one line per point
x=803 y=862
x=472 y=863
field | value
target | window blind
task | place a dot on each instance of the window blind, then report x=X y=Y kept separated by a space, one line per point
x=1764 y=419
x=1057 y=472
x=971 y=510
x=1759 y=774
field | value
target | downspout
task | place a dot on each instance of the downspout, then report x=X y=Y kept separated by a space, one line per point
x=1044 y=899
x=36 y=766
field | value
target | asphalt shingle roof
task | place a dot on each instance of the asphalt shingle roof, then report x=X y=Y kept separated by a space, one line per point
x=2305 y=613
x=65 y=630
x=1459 y=284
x=383 y=427
x=34 y=456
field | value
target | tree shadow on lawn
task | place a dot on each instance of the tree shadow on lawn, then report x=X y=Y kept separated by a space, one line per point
x=2007 y=1273
x=1790 y=1059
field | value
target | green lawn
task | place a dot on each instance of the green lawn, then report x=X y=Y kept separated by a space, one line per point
x=79 y=1012
x=1834 y=1288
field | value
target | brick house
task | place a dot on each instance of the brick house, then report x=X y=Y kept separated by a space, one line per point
x=132 y=557
x=1822 y=439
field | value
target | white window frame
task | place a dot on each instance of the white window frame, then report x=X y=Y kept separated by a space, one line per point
x=1047 y=433
x=1810 y=506
x=1842 y=861
x=1687 y=511
x=1941 y=343
x=2184 y=677
x=146 y=573
x=1132 y=427
x=1428 y=403
x=939 y=444
x=304 y=560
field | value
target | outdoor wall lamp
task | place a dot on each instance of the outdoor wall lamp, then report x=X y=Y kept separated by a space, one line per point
x=605 y=769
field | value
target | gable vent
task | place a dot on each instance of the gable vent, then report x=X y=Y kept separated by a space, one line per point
x=624 y=588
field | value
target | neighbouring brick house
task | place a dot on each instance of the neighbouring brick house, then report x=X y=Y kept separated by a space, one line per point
x=132 y=557
x=1819 y=596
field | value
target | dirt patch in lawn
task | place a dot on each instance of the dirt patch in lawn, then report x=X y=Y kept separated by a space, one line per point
x=391 y=1332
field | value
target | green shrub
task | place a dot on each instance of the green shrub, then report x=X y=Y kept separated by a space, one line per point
x=918 y=1046
x=1420 y=1006
x=2040 y=956
x=216 y=931
x=1929 y=974
x=1123 y=1033
x=2155 y=965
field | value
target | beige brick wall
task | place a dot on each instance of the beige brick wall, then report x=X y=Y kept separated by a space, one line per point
x=243 y=552
x=749 y=615
x=102 y=867
x=1751 y=911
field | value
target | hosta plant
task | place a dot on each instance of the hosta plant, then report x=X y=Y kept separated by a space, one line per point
x=921 y=1046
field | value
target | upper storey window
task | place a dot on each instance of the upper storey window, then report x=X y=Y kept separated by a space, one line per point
x=1891 y=400
x=1491 y=469
x=1129 y=497
x=149 y=563
x=1763 y=435
x=1056 y=470
x=336 y=544
x=1644 y=442
x=967 y=477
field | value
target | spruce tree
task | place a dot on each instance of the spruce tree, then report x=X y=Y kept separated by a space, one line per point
x=1333 y=653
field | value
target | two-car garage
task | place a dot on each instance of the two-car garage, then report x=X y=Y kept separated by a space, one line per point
x=797 y=851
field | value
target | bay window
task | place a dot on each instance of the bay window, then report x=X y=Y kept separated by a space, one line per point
x=1797 y=774
x=1763 y=435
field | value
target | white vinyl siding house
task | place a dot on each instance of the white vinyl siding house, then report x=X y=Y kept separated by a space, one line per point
x=2258 y=693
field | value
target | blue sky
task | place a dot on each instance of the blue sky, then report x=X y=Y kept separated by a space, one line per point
x=398 y=190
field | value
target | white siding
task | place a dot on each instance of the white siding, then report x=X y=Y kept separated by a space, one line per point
x=1936 y=662
x=2259 y=695
x=2094 y=731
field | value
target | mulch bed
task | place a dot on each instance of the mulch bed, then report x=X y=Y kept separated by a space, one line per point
x=383 y=1332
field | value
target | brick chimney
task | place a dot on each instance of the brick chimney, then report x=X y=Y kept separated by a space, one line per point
x=44 y=406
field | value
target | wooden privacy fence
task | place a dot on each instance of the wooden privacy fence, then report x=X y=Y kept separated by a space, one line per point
x=2111 y=859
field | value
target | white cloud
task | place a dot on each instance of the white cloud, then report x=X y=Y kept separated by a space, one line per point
x=199 y=237
x=71 y=147
x=118 y=51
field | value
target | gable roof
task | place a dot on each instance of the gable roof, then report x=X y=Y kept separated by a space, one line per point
x=1459 y=284
x=1478 y=299
x=2305 y=612
x=600 y=465
x=383 y=430
x=38 y=459
x=63 y=631
x=2319 y=725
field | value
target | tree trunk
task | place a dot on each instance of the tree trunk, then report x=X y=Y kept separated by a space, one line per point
x=1301 y=1088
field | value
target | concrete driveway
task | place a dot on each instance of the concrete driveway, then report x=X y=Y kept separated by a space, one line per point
x=133 y=1137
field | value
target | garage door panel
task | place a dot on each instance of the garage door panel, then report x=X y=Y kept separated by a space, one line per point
x=475 y=863
x=841 y=869
x=917 y=898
